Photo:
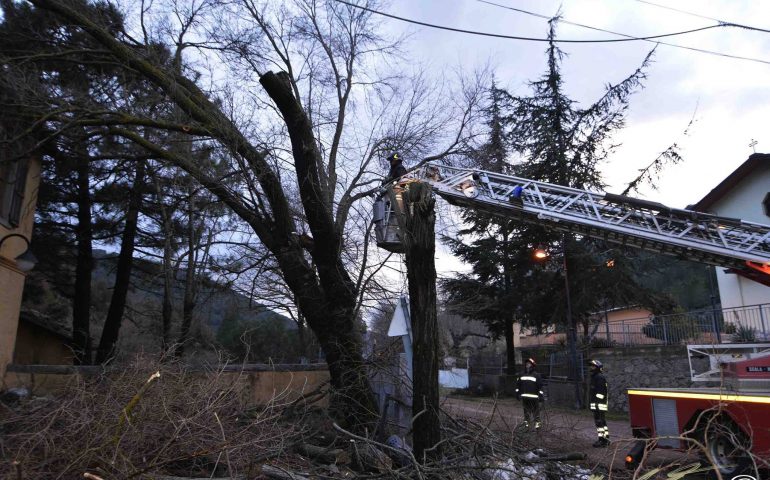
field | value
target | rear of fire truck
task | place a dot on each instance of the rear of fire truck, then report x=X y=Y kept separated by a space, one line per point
x=728 y=425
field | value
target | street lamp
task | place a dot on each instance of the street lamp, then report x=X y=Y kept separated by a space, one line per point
x=26 y=261
x=541 y=253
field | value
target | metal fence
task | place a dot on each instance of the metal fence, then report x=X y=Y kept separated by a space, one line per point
x=724 y=325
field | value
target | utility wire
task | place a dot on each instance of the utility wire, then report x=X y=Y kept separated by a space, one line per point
x=646 y=39
x=723 y=22
x=530 y=39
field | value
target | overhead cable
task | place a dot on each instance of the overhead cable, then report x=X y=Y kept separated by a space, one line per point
x=724 y=22
x=515 y=37
x=647 y=39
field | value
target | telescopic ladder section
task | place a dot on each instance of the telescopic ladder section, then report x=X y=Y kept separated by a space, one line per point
x=619 y=219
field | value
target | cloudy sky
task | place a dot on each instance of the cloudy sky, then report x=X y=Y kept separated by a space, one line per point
x=729 y=98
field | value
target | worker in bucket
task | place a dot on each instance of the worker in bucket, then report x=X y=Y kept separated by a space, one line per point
x=529 y=389
x=397 y=168
x=598 y=403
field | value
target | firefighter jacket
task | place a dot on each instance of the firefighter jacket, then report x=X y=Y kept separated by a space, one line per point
x=598 y=393
x=529 y=385
x=397 y=170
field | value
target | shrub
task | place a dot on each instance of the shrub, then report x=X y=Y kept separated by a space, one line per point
x=745 y=334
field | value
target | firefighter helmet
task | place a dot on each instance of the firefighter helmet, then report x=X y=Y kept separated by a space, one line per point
x=394 y=157
x=532 y=361
x=597 y=364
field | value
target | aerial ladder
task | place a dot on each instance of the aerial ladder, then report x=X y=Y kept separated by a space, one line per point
x=665 y=415
x=732 y=243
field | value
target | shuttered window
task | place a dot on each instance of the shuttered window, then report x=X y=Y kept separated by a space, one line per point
x=13 y=178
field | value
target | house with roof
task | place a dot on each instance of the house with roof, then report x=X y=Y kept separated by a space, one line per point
x=744 y=194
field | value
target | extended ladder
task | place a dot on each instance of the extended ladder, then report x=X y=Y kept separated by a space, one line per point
x=643 y=224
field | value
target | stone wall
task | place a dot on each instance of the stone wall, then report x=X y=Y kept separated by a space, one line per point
x=644 y=367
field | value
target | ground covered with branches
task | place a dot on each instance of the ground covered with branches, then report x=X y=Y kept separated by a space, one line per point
x=162 y=422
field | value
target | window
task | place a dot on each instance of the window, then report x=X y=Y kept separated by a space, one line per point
x=13 y=178
x=766 y=204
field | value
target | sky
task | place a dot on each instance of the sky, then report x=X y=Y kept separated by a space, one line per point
x=729 y=99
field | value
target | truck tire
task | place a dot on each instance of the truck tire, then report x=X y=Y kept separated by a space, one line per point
x=726 y=445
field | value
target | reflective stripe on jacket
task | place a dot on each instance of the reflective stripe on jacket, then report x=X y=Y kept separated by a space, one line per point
x=529 y=385
x=597 y=398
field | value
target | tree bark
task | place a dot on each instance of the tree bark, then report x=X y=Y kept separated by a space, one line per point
x=190 y=290
x=81 y=300
x=420 y=242
x=114 y=318
x=510 y=351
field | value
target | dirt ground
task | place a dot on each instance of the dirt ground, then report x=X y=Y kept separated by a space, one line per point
x=563 y=431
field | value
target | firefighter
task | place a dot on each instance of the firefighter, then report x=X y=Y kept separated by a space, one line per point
x=529 y=389
x=397 y=168
x=598 y=403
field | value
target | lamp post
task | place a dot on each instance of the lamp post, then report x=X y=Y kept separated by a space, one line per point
x=574 y=368
x=26 y=261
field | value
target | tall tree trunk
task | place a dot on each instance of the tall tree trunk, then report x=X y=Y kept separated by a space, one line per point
x=510 y=351
x=325 y=294
x=123 y=273
x=167 y=308
x=190 y=290
x=510 y=346
x=420 y=242
x=81 y=300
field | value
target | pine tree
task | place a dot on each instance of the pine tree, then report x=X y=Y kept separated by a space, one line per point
x=557 y=142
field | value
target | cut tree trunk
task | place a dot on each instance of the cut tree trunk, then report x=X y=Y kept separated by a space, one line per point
x=420 y=243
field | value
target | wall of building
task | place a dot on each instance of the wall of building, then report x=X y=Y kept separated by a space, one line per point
x=11 y=278
x=38 y=346
x=257 y=387
x=744 y=201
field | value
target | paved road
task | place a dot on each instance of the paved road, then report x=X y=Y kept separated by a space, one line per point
x=563 y=431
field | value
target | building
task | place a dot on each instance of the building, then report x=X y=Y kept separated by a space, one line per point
x=42 y=341
x=744 y=194
x=616 y=326
x=19 y=179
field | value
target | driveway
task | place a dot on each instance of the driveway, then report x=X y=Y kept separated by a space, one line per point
x=563 y=431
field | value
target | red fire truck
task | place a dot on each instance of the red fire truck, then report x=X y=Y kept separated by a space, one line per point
x=728 y=424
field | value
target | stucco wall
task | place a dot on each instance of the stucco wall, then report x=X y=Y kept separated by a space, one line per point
x=11 y=279
x=257 y=387
x=744 y=201
x=11 y=286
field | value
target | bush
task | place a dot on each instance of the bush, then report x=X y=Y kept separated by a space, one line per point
x=745 y=334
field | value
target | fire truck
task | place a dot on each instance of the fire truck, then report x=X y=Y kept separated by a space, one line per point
x=729 y=421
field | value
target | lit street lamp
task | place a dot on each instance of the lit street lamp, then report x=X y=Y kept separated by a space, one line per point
x=540 y=253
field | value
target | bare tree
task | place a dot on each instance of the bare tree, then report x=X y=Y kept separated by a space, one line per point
x=324 y=119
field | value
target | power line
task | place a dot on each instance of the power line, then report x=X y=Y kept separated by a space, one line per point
x=628 y=38
x=723 y=22
x=648 y=39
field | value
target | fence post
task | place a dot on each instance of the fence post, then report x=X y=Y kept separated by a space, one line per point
x=715 y=325
x=625 y=333
x=762 y=319
x=665 y=331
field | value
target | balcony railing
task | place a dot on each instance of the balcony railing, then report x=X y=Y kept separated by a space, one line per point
x=722 y=325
